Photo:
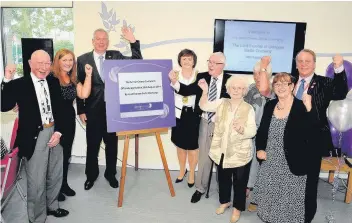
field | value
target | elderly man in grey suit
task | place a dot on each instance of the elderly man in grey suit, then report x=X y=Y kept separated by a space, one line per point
x=216 y=79
x=38 y=97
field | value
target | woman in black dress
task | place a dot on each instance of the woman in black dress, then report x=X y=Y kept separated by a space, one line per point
x=185 y=134
x=64 y=68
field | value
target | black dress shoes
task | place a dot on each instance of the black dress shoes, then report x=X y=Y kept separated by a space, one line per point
x=58 y=213
x=114 y=183
x=66 y=190
x=61 y=197
x=88 y=184
x=190 y=185
x=180 y=180
x=196 y=196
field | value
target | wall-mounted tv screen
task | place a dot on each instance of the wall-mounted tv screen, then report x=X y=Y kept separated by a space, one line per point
x=244 y=42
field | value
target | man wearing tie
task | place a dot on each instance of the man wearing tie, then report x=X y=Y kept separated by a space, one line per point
x=92 y=111
x=38 y=97
x=323 y=90
x=216 y=79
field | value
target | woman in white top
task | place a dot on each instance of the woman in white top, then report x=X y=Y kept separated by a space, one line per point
x=185 y=134
x=231 y=146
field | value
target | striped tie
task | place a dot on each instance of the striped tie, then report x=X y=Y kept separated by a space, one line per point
x=211 y=97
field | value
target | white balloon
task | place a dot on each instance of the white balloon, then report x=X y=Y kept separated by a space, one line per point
x=340 y=114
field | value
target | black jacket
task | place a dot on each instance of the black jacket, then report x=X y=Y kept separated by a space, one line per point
x=323 y=90
x=95 y=101
x=194 y=89
x=297 y=135
x=22 y=92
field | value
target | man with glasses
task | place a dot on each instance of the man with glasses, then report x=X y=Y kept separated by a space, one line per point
x=216 y=80
x=39 y=130
x=323 y=90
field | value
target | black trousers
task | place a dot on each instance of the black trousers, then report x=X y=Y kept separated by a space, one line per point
x=236 y=177
x=312 y=189
x=68 y=134
x=96 y=130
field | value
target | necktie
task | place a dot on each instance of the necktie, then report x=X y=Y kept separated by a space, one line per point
x=44 y=101
x=211 y=97
x=101 y=60
x=300 y=90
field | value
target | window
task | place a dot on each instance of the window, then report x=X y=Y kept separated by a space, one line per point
x=55 y=23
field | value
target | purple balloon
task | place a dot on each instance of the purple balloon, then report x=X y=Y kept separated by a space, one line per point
x=346 y=142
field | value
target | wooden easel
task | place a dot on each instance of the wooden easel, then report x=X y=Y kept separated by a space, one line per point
x=127 y=134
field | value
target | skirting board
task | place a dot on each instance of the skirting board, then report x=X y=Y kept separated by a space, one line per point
x=82 y=160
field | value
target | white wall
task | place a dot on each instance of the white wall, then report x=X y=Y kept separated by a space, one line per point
x=328 y=32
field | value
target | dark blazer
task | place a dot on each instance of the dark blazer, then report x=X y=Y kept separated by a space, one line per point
x=194 y=89
x=296 y=134
x=22 y=92
x=95 y=101
x=323 y=90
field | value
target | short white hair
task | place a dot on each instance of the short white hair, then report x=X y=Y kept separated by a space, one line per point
x=237 y=79
x=221 y=55
x=100 y=30
x=269 y=69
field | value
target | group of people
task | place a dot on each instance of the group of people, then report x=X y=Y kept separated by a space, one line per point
x=47 y=120
x=268 y=138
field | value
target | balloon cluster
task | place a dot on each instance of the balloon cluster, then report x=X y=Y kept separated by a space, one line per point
x=342 y=139
x=340 y=117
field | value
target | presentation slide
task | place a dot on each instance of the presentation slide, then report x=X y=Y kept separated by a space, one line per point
x=246 y=42
x=141 y=94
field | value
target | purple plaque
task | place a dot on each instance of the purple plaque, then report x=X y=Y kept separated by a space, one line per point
x=138 y=95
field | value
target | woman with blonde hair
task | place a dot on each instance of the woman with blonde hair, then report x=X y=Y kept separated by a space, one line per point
x=64 y=69
x=231 y=146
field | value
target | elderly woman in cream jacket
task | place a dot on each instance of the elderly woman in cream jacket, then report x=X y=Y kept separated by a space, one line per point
x=231 y=147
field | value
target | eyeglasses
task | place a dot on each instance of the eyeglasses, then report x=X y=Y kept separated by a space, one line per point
x=213 y=63
x=282 y=84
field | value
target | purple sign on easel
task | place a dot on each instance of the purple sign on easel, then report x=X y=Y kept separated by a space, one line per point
x=138 y=95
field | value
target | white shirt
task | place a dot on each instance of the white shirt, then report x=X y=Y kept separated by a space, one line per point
x=97 y=60
x=46 y=118
x=309 y=79
x=191 y=100
x=176 y=86
x=218 y=88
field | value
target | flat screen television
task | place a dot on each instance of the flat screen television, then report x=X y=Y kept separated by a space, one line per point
x=244 y=42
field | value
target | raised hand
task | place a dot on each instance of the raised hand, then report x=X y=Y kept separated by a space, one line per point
x=337 y=61
x=88 y=69
x=173 y=76
x=307 y=101
x=128 y=34
x=10 y=71
x=203 y=85
x=261 y=154
x=264 y=61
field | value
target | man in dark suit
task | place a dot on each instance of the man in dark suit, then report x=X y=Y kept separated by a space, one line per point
x=323 y=90
x=216 y=79
x=92 y=111
x=38 y=97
